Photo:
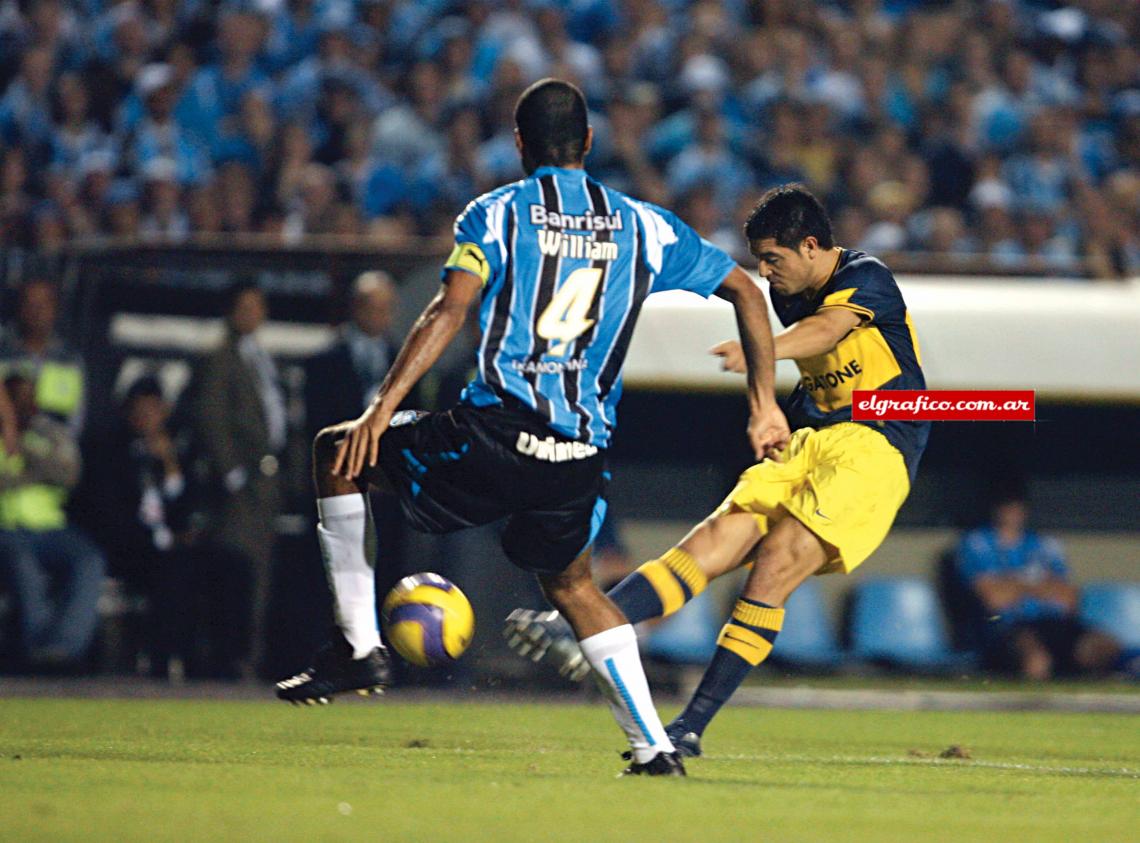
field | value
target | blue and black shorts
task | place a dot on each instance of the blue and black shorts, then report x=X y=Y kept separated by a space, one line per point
x=475 y=465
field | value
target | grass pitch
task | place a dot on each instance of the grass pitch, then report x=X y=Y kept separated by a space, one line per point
x=392 y=771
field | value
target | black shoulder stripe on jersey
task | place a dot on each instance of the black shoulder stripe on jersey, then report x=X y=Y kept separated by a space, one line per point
x=501 y=313
x=641 y=278
x=572 y=381
x=547 y=279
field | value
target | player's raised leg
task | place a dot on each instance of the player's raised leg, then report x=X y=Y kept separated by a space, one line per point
x=354 y=659
x=785 y=557
x=660 y=587
x=609 y=643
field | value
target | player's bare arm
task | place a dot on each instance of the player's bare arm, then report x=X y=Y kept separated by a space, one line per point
x=809 y=337
x=767 y=428
x=432 y=332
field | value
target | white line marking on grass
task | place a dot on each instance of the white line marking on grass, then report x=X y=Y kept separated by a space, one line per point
x=872 y=760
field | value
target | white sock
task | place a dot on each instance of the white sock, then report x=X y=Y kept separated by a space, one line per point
x=343 y=536
x=617 y=664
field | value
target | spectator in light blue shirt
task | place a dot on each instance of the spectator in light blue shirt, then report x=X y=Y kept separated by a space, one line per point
x=76 y=135
x=215 y=94
x=708 y=160
x=25 y=109
x=1029 y=604
x=159 y=136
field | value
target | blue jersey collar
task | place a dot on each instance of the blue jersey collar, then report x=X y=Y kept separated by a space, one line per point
x=547 y=169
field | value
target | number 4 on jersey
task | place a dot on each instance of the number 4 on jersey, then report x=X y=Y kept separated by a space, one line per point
x=565 y=317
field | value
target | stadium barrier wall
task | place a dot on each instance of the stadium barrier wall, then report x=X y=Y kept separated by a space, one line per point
x=1067 y=340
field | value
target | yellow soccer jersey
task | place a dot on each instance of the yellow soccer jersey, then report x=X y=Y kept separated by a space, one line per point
x=880 y=353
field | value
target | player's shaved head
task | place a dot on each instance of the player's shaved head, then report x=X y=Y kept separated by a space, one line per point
x=787 y=215
x=551 y=120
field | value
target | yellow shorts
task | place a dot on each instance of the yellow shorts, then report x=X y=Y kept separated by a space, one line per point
x=845 y=483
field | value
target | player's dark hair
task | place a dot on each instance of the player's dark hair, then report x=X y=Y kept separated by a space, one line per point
x=551 y=119
x=788 y=214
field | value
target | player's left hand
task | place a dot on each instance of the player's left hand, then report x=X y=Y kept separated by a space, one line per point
x=731 y=353
x=361 y=443
x=768 y=432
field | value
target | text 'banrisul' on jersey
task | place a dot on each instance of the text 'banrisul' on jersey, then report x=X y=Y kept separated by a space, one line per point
x=566 y=264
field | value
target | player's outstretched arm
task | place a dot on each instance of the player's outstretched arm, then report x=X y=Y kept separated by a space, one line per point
x=817 y=334
x=432 y=332
x=767 y=428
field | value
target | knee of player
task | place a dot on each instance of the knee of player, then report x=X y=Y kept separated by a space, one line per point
x=564 y=588
x=778 y=552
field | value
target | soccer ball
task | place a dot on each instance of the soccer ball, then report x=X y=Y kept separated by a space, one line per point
x=428 y=620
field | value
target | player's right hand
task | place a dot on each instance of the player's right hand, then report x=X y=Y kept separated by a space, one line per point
x=768 y=432
x=361 y=443
x=731 y=353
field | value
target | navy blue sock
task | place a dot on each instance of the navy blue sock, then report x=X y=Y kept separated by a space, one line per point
x=659 y=587
x=744 y=642
x=636 y=598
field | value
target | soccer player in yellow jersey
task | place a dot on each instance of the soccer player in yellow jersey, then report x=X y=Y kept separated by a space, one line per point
x=829 y=498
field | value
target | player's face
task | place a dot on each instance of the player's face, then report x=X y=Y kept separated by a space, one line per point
x=789 y=271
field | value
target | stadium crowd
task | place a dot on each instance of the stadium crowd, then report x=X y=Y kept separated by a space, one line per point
x=1005 y=131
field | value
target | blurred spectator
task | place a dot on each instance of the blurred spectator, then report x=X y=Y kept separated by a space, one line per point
x=31 y=345
x=76 y=135
x=235 y=196
x=1027 y=603
x=122 y=50
x=708 y=160
x=9 y=424
x=26 y=107
x=123 y=216
x=164 y=219
x=450 y=177
x=52 y=570
x=215 y=94
x=240 y=426
x=137 y=489
x=313 y=204
x=158 y=136
x=341 y=381
x=15 y=200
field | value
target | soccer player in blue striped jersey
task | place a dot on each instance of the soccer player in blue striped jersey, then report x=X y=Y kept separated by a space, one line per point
x=561 y=266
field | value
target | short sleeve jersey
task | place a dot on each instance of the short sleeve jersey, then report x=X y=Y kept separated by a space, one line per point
x=566 y=264
x=1032 y=559
x=880 y=353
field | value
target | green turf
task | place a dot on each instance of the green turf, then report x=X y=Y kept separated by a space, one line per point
x=192 y=770
x=888 y=682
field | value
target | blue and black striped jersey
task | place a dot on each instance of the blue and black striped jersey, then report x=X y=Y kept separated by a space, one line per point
x=566 y=264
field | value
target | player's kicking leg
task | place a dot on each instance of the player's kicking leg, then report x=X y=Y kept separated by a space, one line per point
x=608 y=642
x=656 y=589
x=783 y=558
x=354 y=659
